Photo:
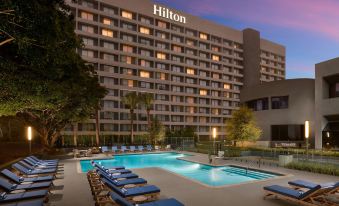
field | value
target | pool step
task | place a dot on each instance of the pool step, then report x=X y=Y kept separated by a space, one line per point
x=249 y=173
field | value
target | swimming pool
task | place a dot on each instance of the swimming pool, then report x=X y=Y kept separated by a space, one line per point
x=209 y=175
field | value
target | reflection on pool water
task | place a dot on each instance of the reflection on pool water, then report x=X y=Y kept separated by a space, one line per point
x=212 y=176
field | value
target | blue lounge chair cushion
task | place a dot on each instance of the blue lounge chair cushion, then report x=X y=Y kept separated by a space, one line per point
x=40 y=160
x=113 y=177
x=24 y=164
x=41 y=166
x=302 y=184
x=100 y=166
x=32 y=186
x=135 y=181
x=132 y=191
x=119 y=200
x=26 y=171
x=291 y=192
x=38 y=202
x=24 y=195
x=165 y=202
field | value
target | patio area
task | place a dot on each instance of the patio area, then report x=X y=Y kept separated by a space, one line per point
x=76 y=190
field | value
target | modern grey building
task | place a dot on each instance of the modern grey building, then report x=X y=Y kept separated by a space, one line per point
x=195 y=68
x=282 y=107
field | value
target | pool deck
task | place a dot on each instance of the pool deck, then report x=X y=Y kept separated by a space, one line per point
x=74 y=188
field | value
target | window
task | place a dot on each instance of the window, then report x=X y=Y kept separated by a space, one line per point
x=203 y=92
x=126 y=48
x=145 y=20
x=87 y=53
x=258 y=104
x=177 y=48
x=279 y=102
x=88 y=29
x=108 y=10
x=127 y=37
x=189 y=42
x=145 y=52
x=130 y=83
x=145 y=63
x=144 y=74
x=215 y=58
x=106 y=32
x=88 y=41
x=334 y=90
x=287 y=132
x=161 y=55
x=86 y=15
x=144 y=30
x=108 y=45
x=127 y=15
x=126 y=59
x=203 y=36
x=190 y=71
x=106 y=21
x=162 y=24
x=227 y=86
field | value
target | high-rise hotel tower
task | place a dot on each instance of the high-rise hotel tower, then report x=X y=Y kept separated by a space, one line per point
x=194 y=68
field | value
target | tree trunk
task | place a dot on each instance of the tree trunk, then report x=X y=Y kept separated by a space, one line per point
x=75 y=134
x=9 y=129
x=132 y=128
x=148 y=118
x=97 y=128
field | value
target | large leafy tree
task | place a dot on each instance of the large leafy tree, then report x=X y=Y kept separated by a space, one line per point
x=42 y=78
x=131 y=101
x=242 y=127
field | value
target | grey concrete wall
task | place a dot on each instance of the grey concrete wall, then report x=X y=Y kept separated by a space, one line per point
x=301 y=104
x=325 y=106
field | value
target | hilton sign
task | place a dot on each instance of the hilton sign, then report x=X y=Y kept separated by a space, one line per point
x=168 y=14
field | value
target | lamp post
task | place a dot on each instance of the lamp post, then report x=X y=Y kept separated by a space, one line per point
x=29 y=137
x=214 y=134
x=307 y=135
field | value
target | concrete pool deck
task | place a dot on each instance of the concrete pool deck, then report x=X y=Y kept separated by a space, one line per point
x=76 y=189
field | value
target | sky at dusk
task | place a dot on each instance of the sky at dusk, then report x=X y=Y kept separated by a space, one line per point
x=309 y=29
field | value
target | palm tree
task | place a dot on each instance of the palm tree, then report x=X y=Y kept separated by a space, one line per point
x=147 y=100
x=131 y=100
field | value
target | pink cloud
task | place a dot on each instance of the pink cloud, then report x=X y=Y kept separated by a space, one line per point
x=316 y=16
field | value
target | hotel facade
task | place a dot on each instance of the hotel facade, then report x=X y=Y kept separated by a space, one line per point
x=194 y=68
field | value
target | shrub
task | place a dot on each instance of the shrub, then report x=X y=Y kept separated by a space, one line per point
x=322 y=168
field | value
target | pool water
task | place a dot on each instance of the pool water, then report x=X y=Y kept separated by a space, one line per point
x=209 y=175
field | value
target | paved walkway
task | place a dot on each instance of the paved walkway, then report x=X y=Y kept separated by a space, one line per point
x=74 y=189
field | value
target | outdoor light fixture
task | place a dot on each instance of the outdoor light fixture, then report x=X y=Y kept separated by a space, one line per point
x=307 y=135
x=214 y=132
x=328 y=134
x=29 y=137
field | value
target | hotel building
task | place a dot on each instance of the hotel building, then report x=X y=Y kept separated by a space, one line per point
x=195 y=68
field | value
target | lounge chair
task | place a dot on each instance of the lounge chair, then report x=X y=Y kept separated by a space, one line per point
x=132 y=148
x=94 y=164
x=45 y=161
x=309 y=185
x=18 y=180
x=141 y=148
x=6 y=197
x=119 y=176
x=121 y=183
x=33 y=186
x=34 y=165
x=34 y=202
x=150 y=191
x=112 y=172
x=149 y=148
x=293 y=195
x=123 y=149
x=115 y=149
x=104 y=149
x=166 y=202
x=27 y=166
x=26 y=171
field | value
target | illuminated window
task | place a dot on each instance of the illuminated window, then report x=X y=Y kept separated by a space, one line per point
x=215 y=58
x=203 y=36
x=190 y=42
x=177 y=48
x=227 y=86
x=126 y=48
x=144 y=30
x=161 y=55
x=144 y=74
x=130 y=83
x=203 y=92
x=162 y=24
x=162 y=76
x=106 y=32
x=106 y=21
x=86 y=15
x=190 y=71
x=127 y=15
